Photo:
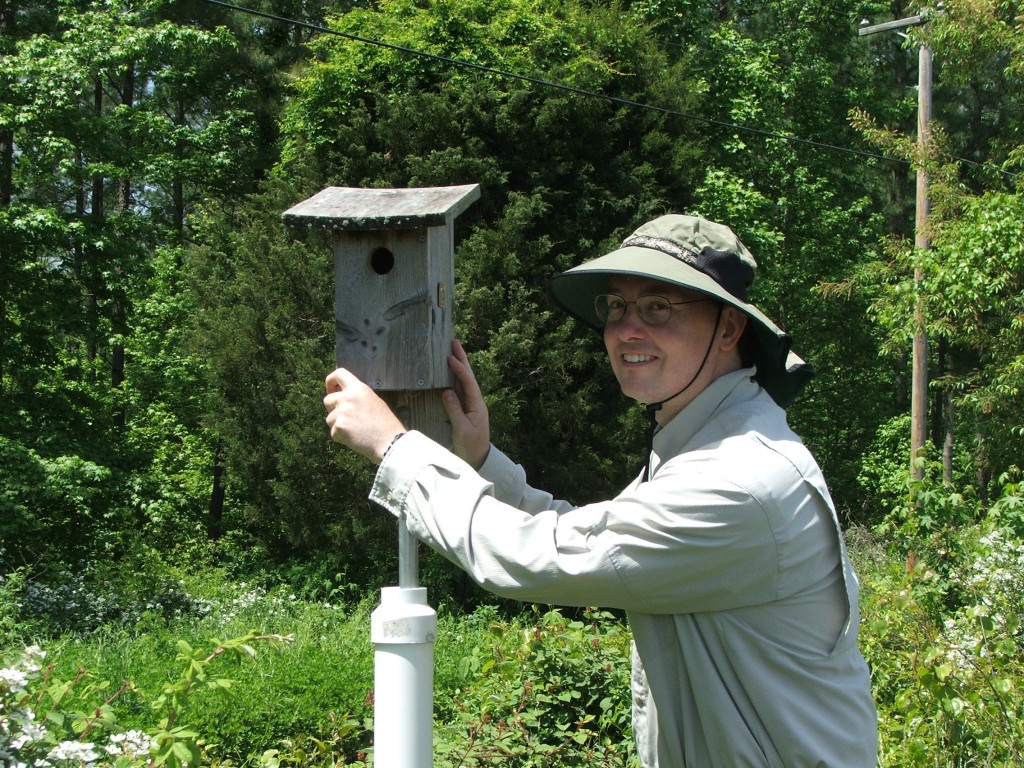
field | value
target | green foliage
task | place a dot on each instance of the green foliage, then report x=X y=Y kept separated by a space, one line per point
x=941 y=633
x=561 y=697
x=904 y=509
x=964 y=289
x=165 y=437
x=124 y=593
x=61 y=509
x=940 y=630
x=556 y=169
x=1007 y=513
x=188 y=693
x=177 y=745
x=540 y=690
x=264 y=329
x=121 y=118
x=52 y=722
x=884 y=470
x=12 y=585
x=973 y=281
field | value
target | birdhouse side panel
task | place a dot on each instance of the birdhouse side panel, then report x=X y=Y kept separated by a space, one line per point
x=441 y=249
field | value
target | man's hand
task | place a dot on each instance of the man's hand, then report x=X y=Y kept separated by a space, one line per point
x=467 y=412
x=357 y=417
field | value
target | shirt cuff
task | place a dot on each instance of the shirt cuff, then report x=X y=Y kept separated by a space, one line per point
x=398 y=467
x=406 y=459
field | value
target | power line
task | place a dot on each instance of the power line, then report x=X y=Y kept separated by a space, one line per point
x=575 y=90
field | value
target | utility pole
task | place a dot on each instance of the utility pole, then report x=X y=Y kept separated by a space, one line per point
x=919 y=375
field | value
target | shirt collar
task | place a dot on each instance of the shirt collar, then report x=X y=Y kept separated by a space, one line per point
x=672 y=438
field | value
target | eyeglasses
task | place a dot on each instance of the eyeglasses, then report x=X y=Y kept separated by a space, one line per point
x=653 y=310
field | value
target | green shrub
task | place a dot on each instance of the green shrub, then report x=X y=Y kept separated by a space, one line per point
x=128 y=592
x=313 y=696
x=883 y=477
x=558 y=697
x=53 y=509
x=941 y=631
x=50 y=722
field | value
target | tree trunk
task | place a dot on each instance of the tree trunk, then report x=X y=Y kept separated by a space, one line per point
x=943 y=414
x=178 y=186
x=124 y=202
x=216 y=512
x=6 y=187
x=97 y=210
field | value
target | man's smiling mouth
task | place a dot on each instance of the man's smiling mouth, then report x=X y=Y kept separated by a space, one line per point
x=629 y=358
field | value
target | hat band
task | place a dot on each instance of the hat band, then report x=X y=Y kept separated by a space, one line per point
x=674 y=250
x=721 y=266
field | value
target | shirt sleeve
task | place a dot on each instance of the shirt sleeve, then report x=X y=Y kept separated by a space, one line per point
x=659 y=547
x=510 y=486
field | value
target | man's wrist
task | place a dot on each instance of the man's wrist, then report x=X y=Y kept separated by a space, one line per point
x=479 y=463
x=392 y=444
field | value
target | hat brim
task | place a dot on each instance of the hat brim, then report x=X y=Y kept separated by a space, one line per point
x=781 y=372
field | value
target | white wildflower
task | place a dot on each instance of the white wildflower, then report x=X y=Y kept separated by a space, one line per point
x=15 y=679
x=75 y=751
x=130 y=744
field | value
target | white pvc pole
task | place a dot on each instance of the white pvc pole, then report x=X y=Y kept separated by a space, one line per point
x=408 y=556
x=403 y=629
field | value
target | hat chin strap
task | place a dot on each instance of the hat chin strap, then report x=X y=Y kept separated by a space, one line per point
x=653 y=408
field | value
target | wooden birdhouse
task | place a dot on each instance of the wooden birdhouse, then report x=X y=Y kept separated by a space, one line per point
x=394 y=269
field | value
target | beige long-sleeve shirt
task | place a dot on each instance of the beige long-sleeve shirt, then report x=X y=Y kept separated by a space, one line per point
x=729 y=562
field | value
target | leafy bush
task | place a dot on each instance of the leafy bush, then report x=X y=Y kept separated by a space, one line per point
x=883 y=476
x=125 y=593
x=942 y=634
x=561 y=697
x=12 y=585
x=508 y=692
x=57 y=509
x=47 y=722
x=941 y=630
x=311 y=698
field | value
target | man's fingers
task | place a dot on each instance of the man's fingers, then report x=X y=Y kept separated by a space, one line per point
x=454 y=407
x=465 y=380
x=338 y=379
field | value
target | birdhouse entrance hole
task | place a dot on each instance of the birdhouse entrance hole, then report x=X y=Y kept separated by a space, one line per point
x=382 y=261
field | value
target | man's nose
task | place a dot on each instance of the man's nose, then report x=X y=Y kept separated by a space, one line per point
x=631 y=322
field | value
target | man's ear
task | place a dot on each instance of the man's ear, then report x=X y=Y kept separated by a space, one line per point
x=733 y=324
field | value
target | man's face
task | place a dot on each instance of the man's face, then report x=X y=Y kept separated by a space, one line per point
x=653 y=362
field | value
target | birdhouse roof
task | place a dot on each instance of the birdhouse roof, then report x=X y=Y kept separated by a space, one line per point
x=352 y=208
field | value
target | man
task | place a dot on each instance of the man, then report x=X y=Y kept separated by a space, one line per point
x=725 y=553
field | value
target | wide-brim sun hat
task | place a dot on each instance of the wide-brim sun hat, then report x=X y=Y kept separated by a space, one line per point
x=703 y=256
